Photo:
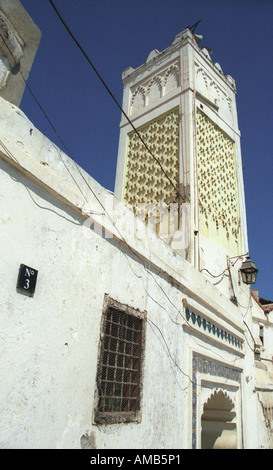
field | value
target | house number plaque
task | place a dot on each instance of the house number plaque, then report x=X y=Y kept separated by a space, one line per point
x=27 y=278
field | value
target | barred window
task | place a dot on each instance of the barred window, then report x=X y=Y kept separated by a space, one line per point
x=120 y=365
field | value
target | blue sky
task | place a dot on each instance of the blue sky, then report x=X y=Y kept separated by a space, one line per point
x=121 y=33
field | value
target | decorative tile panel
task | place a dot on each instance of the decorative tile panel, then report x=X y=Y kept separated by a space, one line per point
x=145 y=181
x=211 y=367
x=218 y=184
x=212 y=329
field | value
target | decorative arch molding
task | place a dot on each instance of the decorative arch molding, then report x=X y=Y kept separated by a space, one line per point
x=171 y=79
x=219 y=422
x=174 y=70
x=202 y=81
x=211 y=368
x=215 y=94
x=216 y=392
x=155 y=81
x=155 y=88
x=226 y=103
x=138 y=100
x=210 y=89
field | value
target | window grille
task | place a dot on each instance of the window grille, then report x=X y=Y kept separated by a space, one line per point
x=119 y=372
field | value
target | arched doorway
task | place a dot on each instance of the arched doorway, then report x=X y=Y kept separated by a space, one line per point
x=218 y=423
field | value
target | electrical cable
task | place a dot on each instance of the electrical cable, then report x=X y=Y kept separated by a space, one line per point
x=112 y=95
x=48 y=119
x=147 y=271
x=100 y=202
x=29 y=191
x=140 y=277
x=65 y=147
x=149 y=321
x=122 y=238
x=127 y=118
x=212 y=275
x=129 y=121
x=78 y=168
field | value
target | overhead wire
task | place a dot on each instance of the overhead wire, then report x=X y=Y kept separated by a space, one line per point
x=123 y=112
x=128 y=246
x=8 y=152
x=113 y=97
x=213 y=275
x=62 y=142
x=86 y=182
x=121 y=109
x=149 y=321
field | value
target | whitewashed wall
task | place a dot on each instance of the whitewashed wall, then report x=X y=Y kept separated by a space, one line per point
x=50 y=342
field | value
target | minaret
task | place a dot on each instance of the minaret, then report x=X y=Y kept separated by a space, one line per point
x=184 y=108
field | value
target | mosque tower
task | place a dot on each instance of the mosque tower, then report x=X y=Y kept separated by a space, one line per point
x=184 y=109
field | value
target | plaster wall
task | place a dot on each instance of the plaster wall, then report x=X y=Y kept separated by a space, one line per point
x=50 y=341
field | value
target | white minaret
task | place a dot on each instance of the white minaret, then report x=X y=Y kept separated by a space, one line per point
x=184 y=108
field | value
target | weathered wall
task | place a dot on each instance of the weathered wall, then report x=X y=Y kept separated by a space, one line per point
x=50 y=341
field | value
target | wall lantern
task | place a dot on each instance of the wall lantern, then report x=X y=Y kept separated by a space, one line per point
x=249 y=271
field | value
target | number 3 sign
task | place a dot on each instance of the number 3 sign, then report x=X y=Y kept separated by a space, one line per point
x=27 y=279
